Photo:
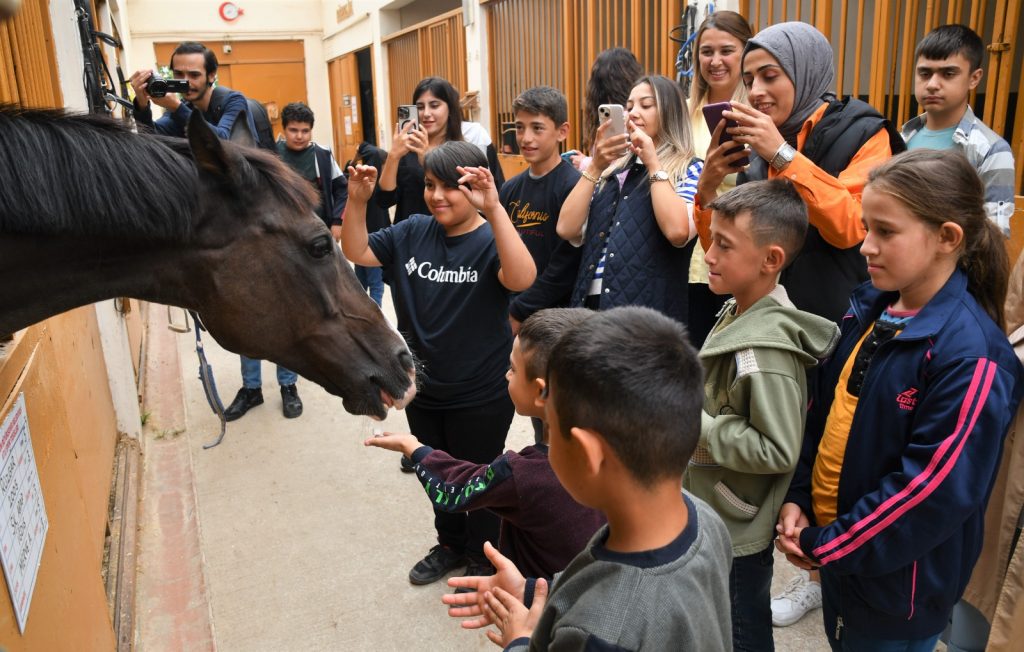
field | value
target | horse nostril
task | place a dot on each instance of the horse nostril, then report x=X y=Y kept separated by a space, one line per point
x=406 y=360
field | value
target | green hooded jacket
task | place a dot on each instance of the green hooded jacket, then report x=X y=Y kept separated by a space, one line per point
x=755 y=403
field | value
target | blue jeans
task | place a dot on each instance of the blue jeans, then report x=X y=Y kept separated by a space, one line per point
x=372 y=279
x=252 y=377
x=750 y=590
x=854 y=641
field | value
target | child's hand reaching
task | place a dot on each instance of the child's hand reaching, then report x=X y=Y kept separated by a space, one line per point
x=400 y=442
x=471 y=605
x=477 y=184
x=511 y=616
x=361 y=181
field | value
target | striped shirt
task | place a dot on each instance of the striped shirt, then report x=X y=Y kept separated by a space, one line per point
x=990 y=155
x=686 y=187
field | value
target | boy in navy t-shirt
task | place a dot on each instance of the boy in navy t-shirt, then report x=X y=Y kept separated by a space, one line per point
x=451 y=275
x=534 y=198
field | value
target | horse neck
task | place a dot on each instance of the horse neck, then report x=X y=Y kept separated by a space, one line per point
x=41 y=276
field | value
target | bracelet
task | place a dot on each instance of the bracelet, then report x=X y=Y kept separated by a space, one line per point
x=589 y=177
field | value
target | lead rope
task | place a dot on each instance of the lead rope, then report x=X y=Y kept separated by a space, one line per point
x=205 y=371
x=209 y=384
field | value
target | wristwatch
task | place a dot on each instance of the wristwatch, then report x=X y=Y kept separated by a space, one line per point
x=784 y=155
x=660 y=175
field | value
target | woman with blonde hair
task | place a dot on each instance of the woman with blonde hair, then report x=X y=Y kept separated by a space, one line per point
x=631 y=211
x=717 y=77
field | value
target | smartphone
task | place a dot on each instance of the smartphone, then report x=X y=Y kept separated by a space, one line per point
x=712 y=116
x=408 y=113
x=615 y=114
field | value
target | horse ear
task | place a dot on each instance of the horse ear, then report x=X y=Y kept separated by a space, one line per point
x=240 y=134
x=206 y=147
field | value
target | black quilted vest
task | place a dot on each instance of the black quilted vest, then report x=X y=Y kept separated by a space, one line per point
x=641 y=267
x=822 y=277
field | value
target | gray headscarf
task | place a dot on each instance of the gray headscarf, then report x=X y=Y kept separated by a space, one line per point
x=805 y=55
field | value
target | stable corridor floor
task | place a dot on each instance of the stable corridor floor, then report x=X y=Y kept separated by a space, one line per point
x=305 y=537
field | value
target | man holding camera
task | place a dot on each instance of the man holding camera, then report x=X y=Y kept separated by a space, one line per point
x=195 y=72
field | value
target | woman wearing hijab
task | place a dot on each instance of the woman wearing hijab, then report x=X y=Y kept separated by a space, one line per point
x=796 y=128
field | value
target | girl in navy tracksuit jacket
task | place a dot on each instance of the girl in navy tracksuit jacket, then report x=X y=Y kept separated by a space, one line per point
x=904 y=436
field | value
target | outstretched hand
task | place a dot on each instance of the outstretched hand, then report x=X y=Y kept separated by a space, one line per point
x=477 y=184
x=471 y=605
x=400 y=442
x=362 y=179
x=511 y=616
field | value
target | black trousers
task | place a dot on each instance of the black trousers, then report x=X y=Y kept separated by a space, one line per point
x=475 y=434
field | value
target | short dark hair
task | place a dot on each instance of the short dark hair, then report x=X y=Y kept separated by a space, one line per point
x=296 y=112
x=195 y=47
x=443 y=159
x=444 y=91
x=947 y=40
x=540 y=333
x=543 y=100
x=631 y=374
x=778 y=215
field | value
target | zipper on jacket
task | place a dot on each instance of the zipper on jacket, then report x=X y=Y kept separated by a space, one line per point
x=839 y=627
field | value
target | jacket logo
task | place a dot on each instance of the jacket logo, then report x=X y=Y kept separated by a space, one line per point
x=410 y=266
x=907 y=400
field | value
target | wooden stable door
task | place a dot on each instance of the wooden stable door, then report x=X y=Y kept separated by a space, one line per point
x=343 y=73
x=271 y=72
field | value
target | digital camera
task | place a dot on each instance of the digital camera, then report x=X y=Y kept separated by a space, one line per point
x=159 y=87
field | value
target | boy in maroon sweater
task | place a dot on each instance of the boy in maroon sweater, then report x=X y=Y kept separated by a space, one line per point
x=542 y=527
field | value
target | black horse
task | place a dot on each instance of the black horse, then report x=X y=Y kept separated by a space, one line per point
x=90 y=210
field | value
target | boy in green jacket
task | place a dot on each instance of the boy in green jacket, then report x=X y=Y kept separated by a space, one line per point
x=755 y=388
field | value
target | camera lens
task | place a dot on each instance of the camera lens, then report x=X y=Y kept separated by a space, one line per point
x=157 y=86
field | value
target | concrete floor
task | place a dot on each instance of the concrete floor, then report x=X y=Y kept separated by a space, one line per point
x=302 y=537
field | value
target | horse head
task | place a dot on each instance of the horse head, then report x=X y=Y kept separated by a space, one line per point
x=271 y=282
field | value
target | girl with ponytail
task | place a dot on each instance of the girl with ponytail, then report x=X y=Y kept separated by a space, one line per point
x=904 y=438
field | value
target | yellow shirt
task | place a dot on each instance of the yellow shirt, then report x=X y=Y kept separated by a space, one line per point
x=701 y=144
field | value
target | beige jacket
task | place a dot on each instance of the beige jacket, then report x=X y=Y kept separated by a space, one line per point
x=995 y=589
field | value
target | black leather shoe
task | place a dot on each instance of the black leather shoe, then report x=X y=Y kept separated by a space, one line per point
x=440 y=561
x=245 y=399
x=291 y=404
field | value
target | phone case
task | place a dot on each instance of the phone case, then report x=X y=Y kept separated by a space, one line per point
x=615 y=114
x=712 y=116
x=408 y=113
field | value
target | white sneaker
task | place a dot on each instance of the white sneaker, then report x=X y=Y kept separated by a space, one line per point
x=800 y=596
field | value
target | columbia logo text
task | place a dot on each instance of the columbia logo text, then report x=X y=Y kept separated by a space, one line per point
x=427 y=271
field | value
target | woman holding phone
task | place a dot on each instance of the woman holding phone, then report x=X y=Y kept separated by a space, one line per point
x=439 y=121
x=631 y=211
x=717 y=49
x=796 y=128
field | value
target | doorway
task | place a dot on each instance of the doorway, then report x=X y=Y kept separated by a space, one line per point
x=352 y=106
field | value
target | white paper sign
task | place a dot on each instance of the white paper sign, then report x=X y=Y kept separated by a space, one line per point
x=23 y=522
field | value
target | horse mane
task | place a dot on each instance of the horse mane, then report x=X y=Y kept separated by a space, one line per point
x=65 y=173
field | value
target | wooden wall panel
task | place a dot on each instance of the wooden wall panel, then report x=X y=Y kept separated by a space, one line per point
x=28 y=65
x=434 y=48
x=562 y=51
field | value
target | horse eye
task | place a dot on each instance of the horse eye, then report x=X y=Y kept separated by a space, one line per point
x=321 y=246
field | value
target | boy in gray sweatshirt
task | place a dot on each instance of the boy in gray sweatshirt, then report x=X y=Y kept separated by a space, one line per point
x=623 y=412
